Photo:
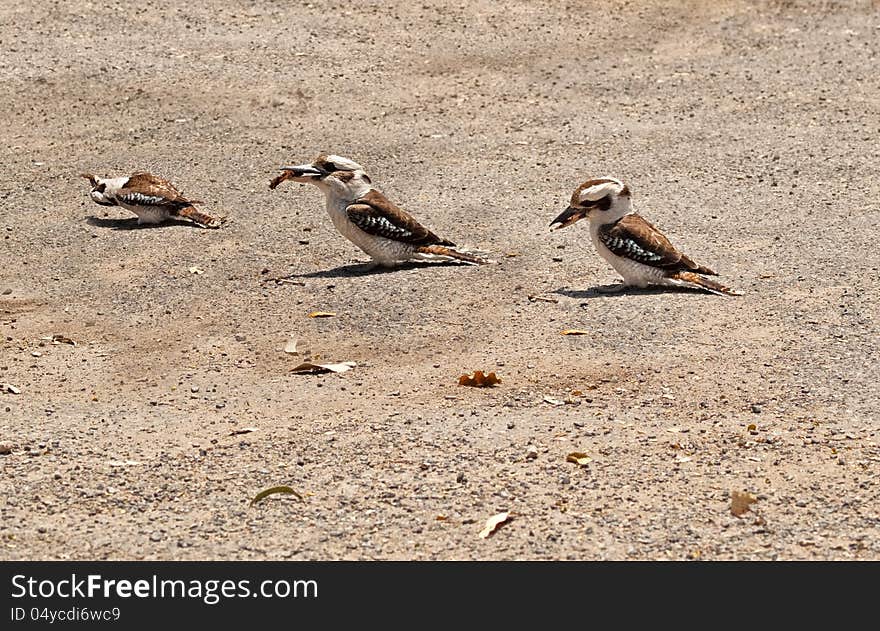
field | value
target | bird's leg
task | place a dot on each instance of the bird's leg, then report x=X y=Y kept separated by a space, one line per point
x=611 y=289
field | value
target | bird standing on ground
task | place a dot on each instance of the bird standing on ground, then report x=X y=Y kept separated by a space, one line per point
x=151 y=198
x=639 y=252
x=368 y=219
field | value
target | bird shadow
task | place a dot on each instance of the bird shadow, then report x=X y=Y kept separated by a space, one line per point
x=131 y=223
x=353 y=270
x=610 y=291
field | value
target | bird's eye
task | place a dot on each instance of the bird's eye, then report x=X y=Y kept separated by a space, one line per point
x=100 y=187
x=330 y=167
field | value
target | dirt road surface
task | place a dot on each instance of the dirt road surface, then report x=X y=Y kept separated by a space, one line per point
x=748 y=132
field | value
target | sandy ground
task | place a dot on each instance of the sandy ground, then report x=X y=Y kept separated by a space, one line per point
x=747 y=132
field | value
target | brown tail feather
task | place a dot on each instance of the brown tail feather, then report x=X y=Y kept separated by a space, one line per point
x=279 y=179
x=190 y=212
x=442 y=250
x=704 y=283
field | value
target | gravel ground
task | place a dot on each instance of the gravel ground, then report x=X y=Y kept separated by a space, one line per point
x=748 y=132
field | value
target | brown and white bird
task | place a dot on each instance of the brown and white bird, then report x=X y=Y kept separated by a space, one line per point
x=368 y=219
x=639 y=252
x=151 y=198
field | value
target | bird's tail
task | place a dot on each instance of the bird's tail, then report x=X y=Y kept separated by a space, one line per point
x=447 y=252
x=690 y=279
x=196 y=216
x=285 y=175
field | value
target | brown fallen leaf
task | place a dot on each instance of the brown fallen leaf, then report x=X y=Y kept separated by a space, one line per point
x=479 y=380
x=740 y=501
x=578 y=458
x=243 y=430
x=322 y=314
x=575 y=332
x=314 y=369
x=752 y=427
x=275 y=489
x=493 y=523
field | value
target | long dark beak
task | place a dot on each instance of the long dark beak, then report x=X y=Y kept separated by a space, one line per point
x=569 y=216
x=298 y=173
x=304 y=170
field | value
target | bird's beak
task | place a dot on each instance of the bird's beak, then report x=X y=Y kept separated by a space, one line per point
x=298 y=173
x=90 y=178
x=569 y=216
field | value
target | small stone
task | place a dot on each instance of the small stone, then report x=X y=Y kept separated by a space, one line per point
x=240 y=337
x=156 y=536
x=461 y=478
x=511 y=425
x=756 y=409
x=531 y=452
x=564 y=480
x=194 y=389
x=5 y=449
x=7 y=291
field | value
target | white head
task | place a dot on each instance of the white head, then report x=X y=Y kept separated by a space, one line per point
x=104 y=189
x=331 y=173
x=605 y=199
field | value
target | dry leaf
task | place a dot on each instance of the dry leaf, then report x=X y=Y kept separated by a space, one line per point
x=291 y=346
x=493 y=523
x=8 y=387
x=273 y=491
x=196 y=270
x=479 y=380
x=322 y=314
x=243 y=430
x=752 y=427
x=441 y=518
x=575 y=332
x=740 y=501
x=61 y=339
x=578 y=458
x=311 y=368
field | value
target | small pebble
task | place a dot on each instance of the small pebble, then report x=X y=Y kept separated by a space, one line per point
x=156 y=536
x=757 y=409
x=531 y=452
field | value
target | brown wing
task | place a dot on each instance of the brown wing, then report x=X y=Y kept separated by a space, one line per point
x=146 y=189
x=374 y=214
x=634 y=238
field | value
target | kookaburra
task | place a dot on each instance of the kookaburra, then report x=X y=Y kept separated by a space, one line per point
x=151 y=198
x=367 y=218
x=634 y=248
